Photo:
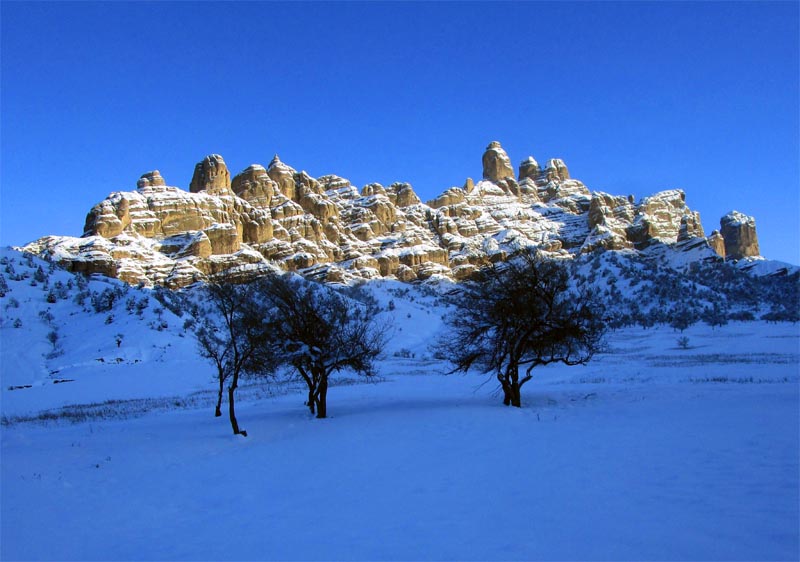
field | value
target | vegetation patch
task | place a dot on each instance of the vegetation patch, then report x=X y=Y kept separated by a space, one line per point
x=724 y=359
x=738 y=380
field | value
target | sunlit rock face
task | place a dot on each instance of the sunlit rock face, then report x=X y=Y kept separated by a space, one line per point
x=327 y=229
x=212 y=176
x=739 y=233
x=717 y=243
x=151 y=179
x=496 y=163
x=555 y=169
x=529 y=169
x=664 y=217
x=254 y=186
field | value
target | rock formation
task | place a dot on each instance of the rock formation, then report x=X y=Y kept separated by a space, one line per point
x=211 y=175
x=151 y=179
x=496 y=163
x=328 y=229
x=739 y=233
x=665 y=217
x=555 y=169
x=254 y=186
x=529 y=169
x=717 y=243
x=283 y=176
x=610 y=220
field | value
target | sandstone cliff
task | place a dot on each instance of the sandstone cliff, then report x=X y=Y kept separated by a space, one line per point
x=739 y=234
x=328 y=229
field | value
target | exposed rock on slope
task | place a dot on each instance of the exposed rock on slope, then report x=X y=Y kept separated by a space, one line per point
x=496 y=163
x=151 y=179
x=211 y=175
x=327 y=229
x=717 y=243
x=739 y=232
x=529 y=169
x=665 y=217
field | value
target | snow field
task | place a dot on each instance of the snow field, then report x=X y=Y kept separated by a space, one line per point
x=650 y=451
x=624 y=459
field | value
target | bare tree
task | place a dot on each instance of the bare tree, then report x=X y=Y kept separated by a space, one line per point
x=316 y=331
x=231 y=332
x=517 y=315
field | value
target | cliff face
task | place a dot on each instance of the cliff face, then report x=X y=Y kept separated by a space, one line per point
x=328 y=229
x=739 y=234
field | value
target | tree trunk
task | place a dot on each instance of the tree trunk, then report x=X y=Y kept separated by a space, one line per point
x=218 y=411
x=515 y=397
x=311 y=401
x=232 y=409
x=506 y=393
x=511 y=394
x=312 y=388
x=322 y=398
x=511 y=386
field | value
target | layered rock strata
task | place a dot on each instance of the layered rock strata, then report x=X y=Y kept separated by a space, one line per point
x=328 y=229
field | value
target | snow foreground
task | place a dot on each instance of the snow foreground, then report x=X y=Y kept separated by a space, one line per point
x=651 y=451
x=655 y=450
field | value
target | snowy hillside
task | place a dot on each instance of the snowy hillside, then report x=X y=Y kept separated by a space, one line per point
x=68 y=339
x=654 y=450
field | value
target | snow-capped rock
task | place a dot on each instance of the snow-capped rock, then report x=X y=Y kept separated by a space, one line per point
x=151 y=179
x=255 y=186
x=283 y=175
x=555 y=169
x=211 y=175
x=739 y=232
x=666 y=218
x=529 y=168
x=496 y=163
x=327 y=229
x=717 y=243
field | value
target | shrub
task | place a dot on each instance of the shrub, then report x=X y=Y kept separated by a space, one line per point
x=52 y=337
x=46 y=316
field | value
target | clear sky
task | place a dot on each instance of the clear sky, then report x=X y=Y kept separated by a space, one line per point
x=635 y=97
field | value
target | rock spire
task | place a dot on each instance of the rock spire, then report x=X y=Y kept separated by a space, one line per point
x=212 y=176
x=739 y=232
x=496 y=163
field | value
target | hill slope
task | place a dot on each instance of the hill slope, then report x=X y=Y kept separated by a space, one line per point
x=110 y=449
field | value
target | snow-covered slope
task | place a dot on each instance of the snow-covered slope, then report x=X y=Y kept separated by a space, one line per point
x=652 y=451
x=66 y=339
x=70 y=338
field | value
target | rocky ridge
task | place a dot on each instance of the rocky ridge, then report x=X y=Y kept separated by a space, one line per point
x=327 y=229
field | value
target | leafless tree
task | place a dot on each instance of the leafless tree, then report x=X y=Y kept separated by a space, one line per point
x=317 y=332
x=517 y=315
x=231 y=332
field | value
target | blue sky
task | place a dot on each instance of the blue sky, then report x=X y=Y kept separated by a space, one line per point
x=635 y=97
